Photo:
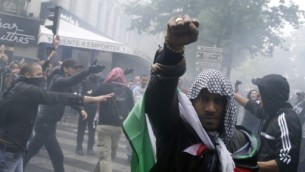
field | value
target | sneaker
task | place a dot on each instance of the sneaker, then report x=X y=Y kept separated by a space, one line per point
x=79 y=152
x=90 y=152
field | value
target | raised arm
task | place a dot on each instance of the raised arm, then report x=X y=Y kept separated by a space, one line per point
x=77 y=78
x=161 y=100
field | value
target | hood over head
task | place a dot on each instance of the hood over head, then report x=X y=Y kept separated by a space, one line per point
x=217 y=83
x=274 y=90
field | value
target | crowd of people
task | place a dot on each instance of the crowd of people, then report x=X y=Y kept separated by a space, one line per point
x=169 y=128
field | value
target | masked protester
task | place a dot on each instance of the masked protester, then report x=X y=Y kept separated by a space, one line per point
x=18 y=110
x=299 y=108
x=61 y=80
x=172 y=132
x=281 y=132
x=88 y=86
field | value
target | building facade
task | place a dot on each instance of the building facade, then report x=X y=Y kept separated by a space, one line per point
x=19 y=24
x=107 y=18
x=24 y=37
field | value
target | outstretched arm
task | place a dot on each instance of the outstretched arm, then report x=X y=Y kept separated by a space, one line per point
x=97 y=99
x=240 y=99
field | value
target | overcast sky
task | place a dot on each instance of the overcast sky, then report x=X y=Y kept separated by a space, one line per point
x=301 y=3
x=289 y=29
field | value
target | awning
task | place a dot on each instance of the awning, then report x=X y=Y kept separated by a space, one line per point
x=74 y=36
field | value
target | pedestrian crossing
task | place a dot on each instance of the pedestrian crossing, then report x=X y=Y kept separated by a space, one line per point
x=66 y=135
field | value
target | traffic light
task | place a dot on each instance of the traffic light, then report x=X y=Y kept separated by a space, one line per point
x=55 y=17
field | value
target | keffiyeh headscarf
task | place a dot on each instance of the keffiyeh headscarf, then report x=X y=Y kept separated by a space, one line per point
x=216 y=83
x=116 y=75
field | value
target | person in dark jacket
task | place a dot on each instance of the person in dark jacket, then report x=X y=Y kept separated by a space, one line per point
x=18 y=110
x=12 y=73
x=299 y=108
x=62 y=80
x=111 y=116
x=187 y=133
x=88 y=86
x=249 y=121
x=281 y=132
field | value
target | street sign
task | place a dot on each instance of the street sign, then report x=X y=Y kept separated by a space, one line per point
x=209 y=65
x=210 y=49
x=208 y=58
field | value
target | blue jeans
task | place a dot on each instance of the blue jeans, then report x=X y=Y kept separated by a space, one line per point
x=11 y=162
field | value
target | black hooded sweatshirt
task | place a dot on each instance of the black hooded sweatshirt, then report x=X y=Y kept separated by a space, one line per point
x=281 y=132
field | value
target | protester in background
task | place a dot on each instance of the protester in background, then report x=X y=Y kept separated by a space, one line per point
x=4 y=60
x=251 y=122
x=2 y=49
x=111 y=116
x=3 y=70
x=299 y=108
x=136 y=81
x=61 y=80
x=47 y=68
x=139 y=90
x=281 y=131
x=18 y=110
x=12 y=73
x=88 y=86
x=130 y=84
x=186 y=134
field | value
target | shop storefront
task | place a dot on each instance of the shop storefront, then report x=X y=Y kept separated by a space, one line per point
x=86 y=45
x=19 y=36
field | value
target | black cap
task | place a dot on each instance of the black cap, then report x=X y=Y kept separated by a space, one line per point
x=273 y=84
x=71 y=63
x=272 y=79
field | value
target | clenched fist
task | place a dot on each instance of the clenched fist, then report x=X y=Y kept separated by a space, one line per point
x=181 y=31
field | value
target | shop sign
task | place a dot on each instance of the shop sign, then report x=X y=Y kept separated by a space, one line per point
x=17 y=30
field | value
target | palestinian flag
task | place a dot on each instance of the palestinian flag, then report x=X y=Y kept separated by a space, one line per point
x=136 y=131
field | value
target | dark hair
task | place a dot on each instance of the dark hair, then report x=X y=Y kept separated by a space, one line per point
x=27 y=68
x=249 y=93
x=70 y=63
x=14 y=62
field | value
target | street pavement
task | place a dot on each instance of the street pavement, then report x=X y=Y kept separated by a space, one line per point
x=66 y=135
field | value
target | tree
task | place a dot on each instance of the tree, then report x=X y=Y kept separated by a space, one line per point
x=287 y=63
x=238 y=26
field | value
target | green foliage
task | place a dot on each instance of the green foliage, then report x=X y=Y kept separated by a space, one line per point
x=235 y=25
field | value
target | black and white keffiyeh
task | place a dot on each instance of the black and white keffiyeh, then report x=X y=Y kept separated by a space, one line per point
x=217 y=83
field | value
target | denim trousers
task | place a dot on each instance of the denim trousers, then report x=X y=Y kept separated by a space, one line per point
x=11 y=162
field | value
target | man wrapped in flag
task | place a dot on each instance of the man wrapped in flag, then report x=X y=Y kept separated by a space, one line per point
x=172 y=132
